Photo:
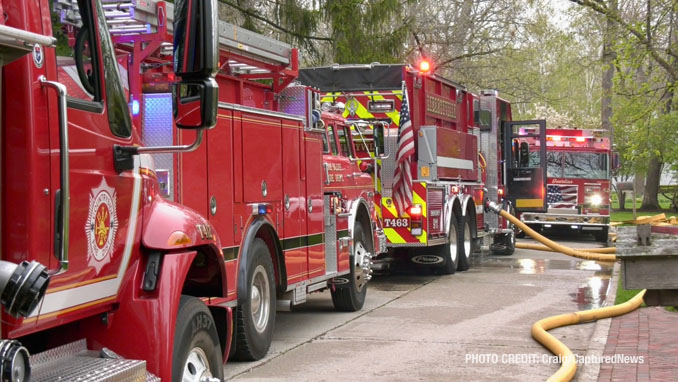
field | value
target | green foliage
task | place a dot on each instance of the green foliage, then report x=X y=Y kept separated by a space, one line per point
x=366 y=31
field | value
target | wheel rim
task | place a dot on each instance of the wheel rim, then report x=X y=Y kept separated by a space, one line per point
x=361 y=265
x=197 y=367
x=260 y=299
x=453 y=242
x=467 y=240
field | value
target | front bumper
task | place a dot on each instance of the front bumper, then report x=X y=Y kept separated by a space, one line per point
x=566 y=219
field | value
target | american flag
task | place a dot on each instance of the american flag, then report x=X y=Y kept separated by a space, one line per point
x=561 y=196
x=402 y=176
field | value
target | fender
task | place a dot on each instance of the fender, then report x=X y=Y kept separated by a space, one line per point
x=464 y=209
x=156 y=344
x=163 y=218
x=353 y=215
x=450 y=202
x=257 y=225
x=467 y=198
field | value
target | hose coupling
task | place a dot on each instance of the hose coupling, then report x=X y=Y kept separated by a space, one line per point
x=492 y=206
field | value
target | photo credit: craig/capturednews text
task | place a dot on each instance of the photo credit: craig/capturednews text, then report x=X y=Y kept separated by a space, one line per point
x=531 y=358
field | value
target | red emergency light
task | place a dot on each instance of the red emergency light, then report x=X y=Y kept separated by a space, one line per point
x=424 y=66
x=414 y=211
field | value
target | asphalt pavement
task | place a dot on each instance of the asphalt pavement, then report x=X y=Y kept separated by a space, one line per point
x=471 y=326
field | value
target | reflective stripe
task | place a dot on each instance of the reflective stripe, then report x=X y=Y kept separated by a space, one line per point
x=528 y=203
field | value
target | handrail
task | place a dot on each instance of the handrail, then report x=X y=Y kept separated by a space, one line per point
x=64 y=166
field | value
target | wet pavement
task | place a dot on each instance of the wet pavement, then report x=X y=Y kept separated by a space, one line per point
x=473 y=325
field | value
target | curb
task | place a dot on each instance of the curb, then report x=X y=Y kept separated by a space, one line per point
x=589 y=372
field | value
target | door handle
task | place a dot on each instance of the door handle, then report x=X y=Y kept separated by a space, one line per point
x=327 y=174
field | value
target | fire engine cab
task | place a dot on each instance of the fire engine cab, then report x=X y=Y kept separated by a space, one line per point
x=133 y=283
x=275 y=178
x=578 y=182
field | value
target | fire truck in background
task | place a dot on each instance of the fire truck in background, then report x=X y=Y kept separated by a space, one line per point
x=451 y=172
x=136 y=282
x=579 y=166
x=293 y=216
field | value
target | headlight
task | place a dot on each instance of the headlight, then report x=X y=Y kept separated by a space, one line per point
x=596 y=199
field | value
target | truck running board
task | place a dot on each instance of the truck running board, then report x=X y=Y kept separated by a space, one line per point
x=73 y=362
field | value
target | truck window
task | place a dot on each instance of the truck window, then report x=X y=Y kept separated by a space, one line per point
x=585 y=165
x=344 y=134
x=363 y=138
x=333 y=142
x=554 y=165
x=75 y=49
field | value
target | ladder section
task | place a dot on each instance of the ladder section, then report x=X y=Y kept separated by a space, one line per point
x=123 y=17
x=243 y=53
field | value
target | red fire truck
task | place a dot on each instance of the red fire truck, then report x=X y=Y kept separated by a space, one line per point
x=275 y=177
x=452 y=174
x=136 y=282
x=578 y=176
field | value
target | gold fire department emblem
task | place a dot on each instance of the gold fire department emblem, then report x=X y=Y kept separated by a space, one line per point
x=102 y=225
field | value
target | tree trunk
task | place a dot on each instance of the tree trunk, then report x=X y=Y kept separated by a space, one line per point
x=639 y=183
x=621 y=196
x=654 y=171
x=608 y=58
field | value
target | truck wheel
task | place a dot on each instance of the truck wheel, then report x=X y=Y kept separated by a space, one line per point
x=256 y=317
x=450 y=251
x=350 y=297
x=465 y=241
x=505 y=246
x=197 y=353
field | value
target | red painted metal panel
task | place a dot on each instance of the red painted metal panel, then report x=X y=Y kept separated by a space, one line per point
x=294 y=215
x=193 y=175
x=262 y=158
x=460 y=152
x=314 y=195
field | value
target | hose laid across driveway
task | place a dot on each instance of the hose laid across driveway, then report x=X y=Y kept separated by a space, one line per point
x=539 y=247
x=568 y=366
x=550 y=243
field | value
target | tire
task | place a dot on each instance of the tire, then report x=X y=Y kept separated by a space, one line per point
x=450 y=252
x=465 y=248
x=255 y=318
x=506 y=247
x=350 y=297
x=197 y=353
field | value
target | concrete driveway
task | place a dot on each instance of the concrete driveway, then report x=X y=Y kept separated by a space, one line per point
x=471 y=326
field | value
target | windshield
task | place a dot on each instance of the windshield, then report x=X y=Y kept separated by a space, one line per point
x=576 y=165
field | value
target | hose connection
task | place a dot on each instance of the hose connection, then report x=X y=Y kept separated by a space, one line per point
x=492 y=206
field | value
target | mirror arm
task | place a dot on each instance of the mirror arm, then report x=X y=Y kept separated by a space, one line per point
x=123 y=155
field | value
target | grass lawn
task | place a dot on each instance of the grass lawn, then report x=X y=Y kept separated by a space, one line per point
x=624 y=295
x=627 y=214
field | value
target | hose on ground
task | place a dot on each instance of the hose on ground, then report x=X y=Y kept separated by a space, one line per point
x=568 y=366
x=549 y=243
x=540 y=247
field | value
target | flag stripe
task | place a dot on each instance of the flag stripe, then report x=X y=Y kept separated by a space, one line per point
x=402 y=177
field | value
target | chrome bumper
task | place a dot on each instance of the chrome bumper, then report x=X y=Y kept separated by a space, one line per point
x=566 y=219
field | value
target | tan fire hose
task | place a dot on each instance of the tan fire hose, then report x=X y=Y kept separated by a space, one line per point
x=550 y=243
x=539 y=247
x=568 y=366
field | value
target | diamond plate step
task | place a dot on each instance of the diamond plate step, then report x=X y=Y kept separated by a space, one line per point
x=73 y=362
